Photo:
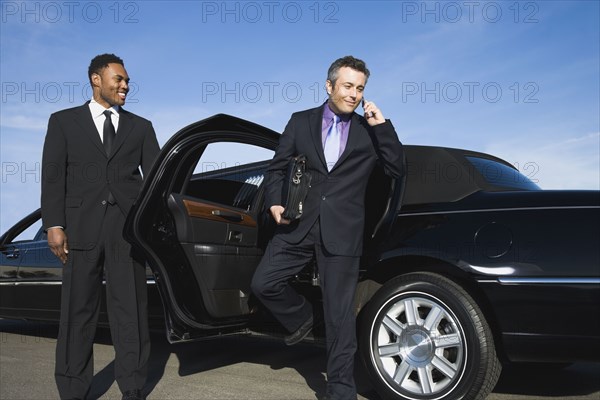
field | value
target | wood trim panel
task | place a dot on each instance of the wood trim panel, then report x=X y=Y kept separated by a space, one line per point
x=197 y=209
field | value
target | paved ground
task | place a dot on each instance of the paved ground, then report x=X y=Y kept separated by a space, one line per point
x=236 y=368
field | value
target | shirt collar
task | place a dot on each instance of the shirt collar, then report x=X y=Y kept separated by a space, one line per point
x=97 y=109
x=328 y=114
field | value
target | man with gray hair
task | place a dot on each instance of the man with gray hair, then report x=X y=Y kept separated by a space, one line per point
x=342 y=149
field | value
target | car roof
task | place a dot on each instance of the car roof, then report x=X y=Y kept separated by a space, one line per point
x=443 y=174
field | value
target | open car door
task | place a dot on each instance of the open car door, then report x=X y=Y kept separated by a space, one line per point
x=199 y=223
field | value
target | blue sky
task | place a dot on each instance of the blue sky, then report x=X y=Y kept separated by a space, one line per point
x=518 y=79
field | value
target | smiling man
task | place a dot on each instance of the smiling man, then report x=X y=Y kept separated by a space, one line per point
x=342 y=149
x=90 y=178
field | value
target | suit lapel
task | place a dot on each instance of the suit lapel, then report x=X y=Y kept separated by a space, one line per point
x=316 y=130
x=353 y=135
x=125 y=128
x=84 y=119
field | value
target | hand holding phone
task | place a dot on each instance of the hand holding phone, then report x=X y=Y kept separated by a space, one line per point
x=372 y=113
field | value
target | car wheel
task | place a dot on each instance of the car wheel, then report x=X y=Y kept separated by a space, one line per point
x=423 y=337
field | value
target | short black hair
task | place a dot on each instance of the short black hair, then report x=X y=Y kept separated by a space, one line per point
x=347 y=61
x=100 y=62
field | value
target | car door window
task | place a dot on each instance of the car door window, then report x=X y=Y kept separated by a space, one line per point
x=29 y=233
x=229 y=174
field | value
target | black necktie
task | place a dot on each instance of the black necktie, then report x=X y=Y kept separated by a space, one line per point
x=108 y=132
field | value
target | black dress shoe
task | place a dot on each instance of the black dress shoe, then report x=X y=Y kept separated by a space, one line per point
x=133 y=395
x=300 y=333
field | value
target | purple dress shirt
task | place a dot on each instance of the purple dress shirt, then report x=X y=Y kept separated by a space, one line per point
x=328 y=121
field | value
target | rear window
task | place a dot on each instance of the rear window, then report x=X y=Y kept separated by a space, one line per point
x=498 y=174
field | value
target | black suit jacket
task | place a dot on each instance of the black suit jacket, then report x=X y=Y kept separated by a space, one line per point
x=77 y=174
x=336 y=197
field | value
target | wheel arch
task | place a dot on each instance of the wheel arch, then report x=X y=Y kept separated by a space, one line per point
x=385 y=270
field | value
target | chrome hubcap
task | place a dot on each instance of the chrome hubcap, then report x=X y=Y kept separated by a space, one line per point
x=418 y=345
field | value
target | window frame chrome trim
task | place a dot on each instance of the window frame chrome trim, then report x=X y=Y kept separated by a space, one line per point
x=409 y=214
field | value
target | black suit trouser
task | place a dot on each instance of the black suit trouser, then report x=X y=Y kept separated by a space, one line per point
x=338 y=279
x=126 y=300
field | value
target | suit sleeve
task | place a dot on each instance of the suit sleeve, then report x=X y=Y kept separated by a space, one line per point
x=150 y=150
x=54 y=175
x=286 y=149
x=388 y=148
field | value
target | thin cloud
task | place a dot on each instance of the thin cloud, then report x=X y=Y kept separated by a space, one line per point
x=25 y=122
x=571 y=163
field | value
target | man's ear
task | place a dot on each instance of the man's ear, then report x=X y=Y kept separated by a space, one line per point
x=96 y=79
x=328 y=86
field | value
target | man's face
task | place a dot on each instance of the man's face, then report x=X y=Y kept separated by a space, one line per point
x=111 y=85
x=347 y=93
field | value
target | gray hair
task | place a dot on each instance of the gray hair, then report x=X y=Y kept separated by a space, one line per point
x=347 y=61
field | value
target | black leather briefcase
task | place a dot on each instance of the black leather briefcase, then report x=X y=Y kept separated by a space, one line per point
x=295 y=187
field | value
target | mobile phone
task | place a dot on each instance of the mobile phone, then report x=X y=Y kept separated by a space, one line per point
x=369 y=114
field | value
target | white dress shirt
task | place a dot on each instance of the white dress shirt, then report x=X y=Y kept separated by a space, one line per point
x=97 y=115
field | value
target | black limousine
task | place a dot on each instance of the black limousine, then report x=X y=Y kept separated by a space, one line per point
x=467 y=263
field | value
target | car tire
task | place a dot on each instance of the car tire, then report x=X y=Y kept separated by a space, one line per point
x=423 y=337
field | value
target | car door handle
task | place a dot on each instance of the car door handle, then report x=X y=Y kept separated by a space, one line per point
x=14 y=254
x=231 y=216
x=235 y=236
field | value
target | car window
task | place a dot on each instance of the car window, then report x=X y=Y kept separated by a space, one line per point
x=227 y=155
x=229 y=173
x=502 y=175
x=29 y=233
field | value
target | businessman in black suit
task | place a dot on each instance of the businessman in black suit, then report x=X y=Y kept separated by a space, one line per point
x=90 y=178
x=342 y=149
